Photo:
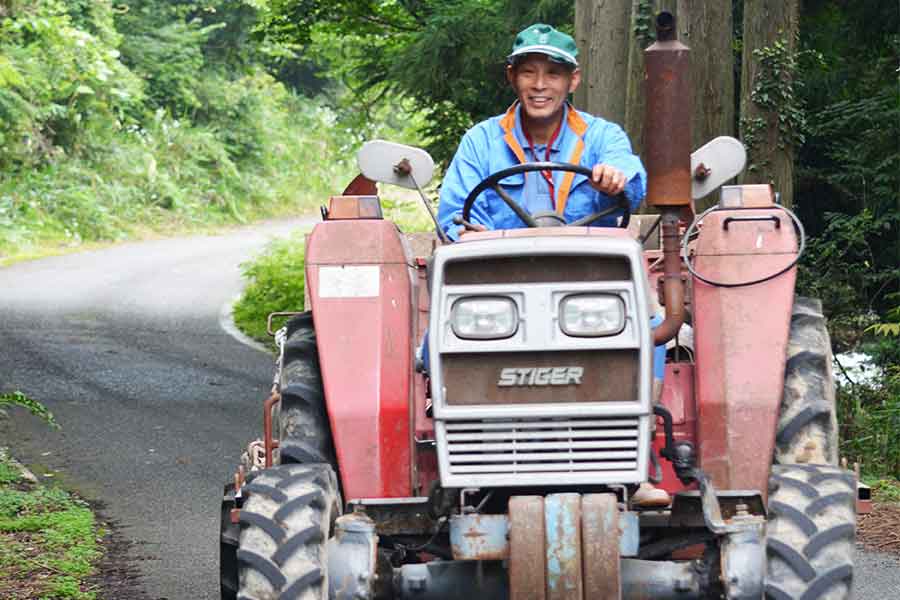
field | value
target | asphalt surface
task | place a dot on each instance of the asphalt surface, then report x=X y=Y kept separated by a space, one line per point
x=155 y=400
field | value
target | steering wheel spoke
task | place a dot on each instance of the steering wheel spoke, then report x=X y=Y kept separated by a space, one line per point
x=520 y=212
x=493 y=182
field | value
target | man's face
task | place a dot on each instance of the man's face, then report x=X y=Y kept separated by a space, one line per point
x=542 y=85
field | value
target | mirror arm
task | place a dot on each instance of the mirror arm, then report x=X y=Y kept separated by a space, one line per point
x=404 y=168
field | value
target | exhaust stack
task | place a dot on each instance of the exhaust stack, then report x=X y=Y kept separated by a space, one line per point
x=667 y=121
x=667 y=155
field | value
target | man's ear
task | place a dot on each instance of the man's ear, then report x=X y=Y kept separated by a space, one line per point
x=576 y=79
x=510 y=75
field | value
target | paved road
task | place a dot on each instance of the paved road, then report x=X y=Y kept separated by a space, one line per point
x=155 y=400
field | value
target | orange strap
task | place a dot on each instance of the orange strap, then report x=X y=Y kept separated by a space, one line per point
x=569 y=177
x=508 y=123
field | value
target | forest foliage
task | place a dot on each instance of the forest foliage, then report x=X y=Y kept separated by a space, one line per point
x=126 y=115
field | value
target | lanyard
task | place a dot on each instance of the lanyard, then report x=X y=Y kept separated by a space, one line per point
x=548 y=176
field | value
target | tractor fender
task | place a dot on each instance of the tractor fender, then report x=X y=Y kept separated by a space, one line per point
x=740 y=340
x=360 y=286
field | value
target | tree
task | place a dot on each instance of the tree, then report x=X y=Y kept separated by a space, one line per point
x=707 y=28
x=642 y=35
x=771 y=117
x=445 y=56
x=602 y=33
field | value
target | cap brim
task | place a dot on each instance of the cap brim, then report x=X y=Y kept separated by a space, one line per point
x=553 y=53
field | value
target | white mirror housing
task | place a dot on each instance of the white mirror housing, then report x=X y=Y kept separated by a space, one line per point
x=721 y=158
x=377 y=159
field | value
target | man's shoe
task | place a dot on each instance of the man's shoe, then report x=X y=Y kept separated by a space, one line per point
x=650 y=496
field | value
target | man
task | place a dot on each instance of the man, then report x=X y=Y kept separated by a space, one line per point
x=541 y=126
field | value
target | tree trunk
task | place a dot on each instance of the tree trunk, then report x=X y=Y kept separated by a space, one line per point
x=601 y=32
x=767 y=101
x=706 y=27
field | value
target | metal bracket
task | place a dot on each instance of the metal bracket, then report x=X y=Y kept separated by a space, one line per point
x=273 y=315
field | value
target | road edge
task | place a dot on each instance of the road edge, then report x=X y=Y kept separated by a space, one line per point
x=226 y=322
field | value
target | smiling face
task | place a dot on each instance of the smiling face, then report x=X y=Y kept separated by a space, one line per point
x=542 y=86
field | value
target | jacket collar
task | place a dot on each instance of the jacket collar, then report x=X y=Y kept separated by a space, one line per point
x=510 y=121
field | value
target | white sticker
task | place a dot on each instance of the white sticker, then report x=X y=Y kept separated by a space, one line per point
x=349 y=281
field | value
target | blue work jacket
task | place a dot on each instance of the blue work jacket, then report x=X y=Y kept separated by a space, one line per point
x=495 y=144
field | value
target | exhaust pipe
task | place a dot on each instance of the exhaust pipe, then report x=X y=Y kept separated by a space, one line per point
x=667 y=155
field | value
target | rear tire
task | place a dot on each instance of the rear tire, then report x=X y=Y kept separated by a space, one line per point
x=807 y=431
x=811 y=533
x=305 y=434
x=286 y=520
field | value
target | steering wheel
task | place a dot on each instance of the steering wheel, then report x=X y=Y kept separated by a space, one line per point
x=493 y=181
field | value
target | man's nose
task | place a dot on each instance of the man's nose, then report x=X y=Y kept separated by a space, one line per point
x=540 y=81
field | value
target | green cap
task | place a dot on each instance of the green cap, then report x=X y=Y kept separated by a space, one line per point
x=544 y=39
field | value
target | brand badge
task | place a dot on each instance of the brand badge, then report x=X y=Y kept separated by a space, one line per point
x=539 y=376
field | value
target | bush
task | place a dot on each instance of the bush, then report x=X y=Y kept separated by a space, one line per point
x=275 y=282
x=870 y=418
x=848 y=268
x=59 y=83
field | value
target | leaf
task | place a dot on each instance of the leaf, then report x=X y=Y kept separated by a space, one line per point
x=83 y=90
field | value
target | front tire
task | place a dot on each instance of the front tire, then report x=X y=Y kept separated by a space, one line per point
x=811 y=533
x=305 y=434
x=286 y=520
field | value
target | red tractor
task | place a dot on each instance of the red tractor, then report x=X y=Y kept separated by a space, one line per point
x=500 y=459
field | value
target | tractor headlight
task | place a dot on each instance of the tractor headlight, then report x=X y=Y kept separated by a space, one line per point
x=484 y=318
x=592 y=315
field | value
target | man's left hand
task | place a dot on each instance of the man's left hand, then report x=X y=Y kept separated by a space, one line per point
x=608 y=179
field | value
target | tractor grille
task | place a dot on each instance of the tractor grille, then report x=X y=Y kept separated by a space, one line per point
x=541 y=450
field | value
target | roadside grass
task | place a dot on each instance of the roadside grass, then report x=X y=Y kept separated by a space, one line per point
x=167 y=177
x=17 y=398
x=884 y=489
x=48 y=540
x=275 y=279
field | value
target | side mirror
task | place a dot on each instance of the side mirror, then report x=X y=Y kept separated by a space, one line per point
x=377 y=160
x=714 y=163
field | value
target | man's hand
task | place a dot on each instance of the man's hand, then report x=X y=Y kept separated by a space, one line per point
x=477 y=227
x=608 y=179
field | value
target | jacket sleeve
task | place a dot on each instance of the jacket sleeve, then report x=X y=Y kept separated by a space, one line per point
x=615 y=150
x=468 y=168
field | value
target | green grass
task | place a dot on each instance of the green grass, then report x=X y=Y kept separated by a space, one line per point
x=48 y=540
x=884 y=489
x=275 y=278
